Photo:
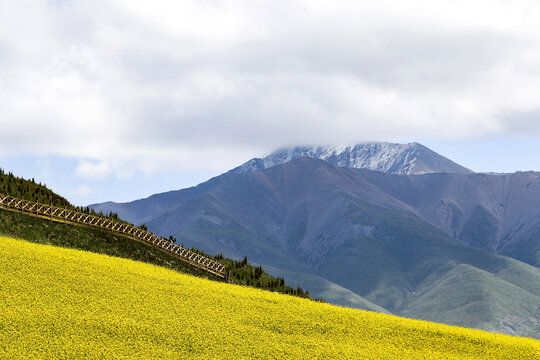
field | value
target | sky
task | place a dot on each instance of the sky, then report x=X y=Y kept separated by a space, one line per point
x=119 y=99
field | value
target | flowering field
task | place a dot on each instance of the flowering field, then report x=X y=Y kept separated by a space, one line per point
x=61 y=303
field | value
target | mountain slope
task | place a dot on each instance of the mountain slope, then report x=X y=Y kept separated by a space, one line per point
x=60 y=303
x=308 y=217
x=499 y=213
x=401 y=159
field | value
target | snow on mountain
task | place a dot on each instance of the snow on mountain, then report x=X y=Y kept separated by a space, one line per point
x=400 y=159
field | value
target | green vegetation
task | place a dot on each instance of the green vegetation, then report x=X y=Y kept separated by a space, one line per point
x=90 y=239
x=413 y=270
x=109 y=243
x=30 y=190
x=240 y=272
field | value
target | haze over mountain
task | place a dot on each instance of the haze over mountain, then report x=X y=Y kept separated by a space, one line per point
x=428 y=246
x=401 y=159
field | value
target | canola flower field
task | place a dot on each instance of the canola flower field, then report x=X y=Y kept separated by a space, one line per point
x=60 y=303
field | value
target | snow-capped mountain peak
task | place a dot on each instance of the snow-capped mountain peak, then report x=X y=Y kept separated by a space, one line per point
x=401 y=159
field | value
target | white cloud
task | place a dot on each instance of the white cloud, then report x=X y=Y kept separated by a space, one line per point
x=146 y=86
x=93 y=170
x=83 y=190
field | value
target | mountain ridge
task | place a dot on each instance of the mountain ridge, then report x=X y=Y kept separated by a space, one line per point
x=400 y=159
x=405 y=162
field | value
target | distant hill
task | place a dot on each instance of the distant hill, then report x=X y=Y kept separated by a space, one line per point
x=65 y=303
x=400 y=159
x=360 y=231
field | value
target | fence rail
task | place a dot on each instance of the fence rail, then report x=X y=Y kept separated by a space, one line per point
x=67 y=216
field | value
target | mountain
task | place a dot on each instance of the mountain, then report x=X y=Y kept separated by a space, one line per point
x=364 y=233
x=499 y=213
x=401 y=159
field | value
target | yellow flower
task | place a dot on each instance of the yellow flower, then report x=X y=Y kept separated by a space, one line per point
x=59 y=303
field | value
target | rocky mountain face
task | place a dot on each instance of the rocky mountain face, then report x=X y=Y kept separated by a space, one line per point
x=457 y=248
x=400 y=159
x=499 y=213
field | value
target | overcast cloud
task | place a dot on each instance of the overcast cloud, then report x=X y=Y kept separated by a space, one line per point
x=126 y=86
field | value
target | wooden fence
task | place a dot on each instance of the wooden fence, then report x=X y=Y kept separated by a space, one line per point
x=67 y=216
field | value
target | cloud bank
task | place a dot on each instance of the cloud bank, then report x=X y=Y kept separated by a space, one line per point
x=129 y=86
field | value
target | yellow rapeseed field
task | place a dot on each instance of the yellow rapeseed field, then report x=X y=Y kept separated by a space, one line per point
x=61 y=303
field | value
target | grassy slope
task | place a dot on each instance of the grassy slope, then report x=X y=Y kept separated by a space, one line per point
x=469 y=294
x=62 y=303
x=90 y=239
x=101 y=241
x=105 y=242
x=30 y=190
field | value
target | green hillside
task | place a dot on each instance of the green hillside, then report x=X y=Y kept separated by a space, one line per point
x=101 y=241
x=29 y=190
x=415 y=271
x=64 y=303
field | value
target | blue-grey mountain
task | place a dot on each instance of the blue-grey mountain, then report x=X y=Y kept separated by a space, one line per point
x=455 y=247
